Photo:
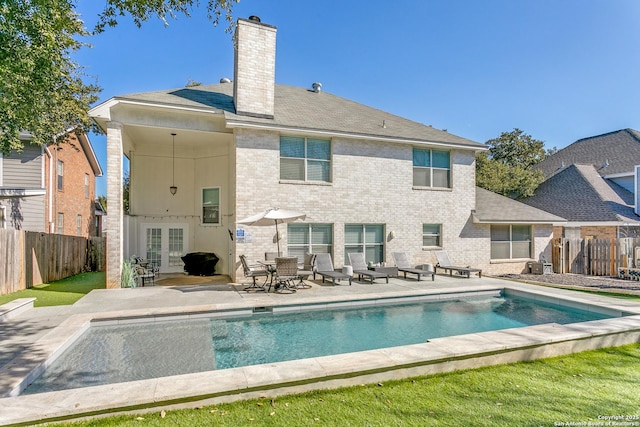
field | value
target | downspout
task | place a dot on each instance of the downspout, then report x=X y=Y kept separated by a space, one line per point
x=50 y=189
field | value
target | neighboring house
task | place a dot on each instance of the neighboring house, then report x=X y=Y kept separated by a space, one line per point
x=202 y=158
x=591 y=183
x=50 y=189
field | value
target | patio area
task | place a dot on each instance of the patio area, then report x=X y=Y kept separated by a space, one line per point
x=40 y=334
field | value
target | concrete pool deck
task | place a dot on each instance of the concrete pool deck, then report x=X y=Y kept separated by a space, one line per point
x=36 y=336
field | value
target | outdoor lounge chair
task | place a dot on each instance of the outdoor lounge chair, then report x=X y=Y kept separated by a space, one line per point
x=254 y=271
x=356 y=259
x=402 y=262
x=445 y=264
x=324 y=267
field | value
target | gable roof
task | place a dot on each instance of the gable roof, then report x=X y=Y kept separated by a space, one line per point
x=302 y=110
x=579 y=194
x=492 y=208
x=620 y=149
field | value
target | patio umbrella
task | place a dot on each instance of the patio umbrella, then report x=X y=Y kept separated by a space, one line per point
x=273 y=216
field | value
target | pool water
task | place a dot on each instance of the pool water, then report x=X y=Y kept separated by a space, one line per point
x=111 y=354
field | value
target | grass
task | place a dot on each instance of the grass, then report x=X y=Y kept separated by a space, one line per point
x=577 y=388
x=61 y=292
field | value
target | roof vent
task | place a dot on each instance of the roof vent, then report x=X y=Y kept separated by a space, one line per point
x=316 y=87
x=604 y=165
x=225 y=80
x=254 y=18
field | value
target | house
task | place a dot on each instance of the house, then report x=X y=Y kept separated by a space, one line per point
x=202 y=158
x=50 y=189
x=591 y=183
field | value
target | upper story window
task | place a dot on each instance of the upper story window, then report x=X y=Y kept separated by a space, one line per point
x=86 y=185
x=305 y=159
x=211 y=206
x=431 y=168
x=79 y=225
x=60 y=174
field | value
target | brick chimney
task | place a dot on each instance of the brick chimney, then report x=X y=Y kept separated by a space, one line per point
x=255 y=68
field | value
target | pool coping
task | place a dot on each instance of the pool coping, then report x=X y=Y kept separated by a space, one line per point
x=275 y=379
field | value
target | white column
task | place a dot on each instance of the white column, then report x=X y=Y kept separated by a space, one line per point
x=115 y=236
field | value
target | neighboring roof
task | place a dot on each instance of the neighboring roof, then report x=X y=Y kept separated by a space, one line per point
x=299 y=109
x=620 y=149
x=492 y=208
x=579 y=194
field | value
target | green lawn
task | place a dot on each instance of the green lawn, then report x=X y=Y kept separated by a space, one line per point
x=61 y=292
x=577 y=388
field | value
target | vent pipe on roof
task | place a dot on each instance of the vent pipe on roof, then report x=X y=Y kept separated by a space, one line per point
x=316 y=87
x=254 y=18
x=225 y=80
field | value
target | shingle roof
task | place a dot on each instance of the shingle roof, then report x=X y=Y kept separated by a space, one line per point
x=621 y=149
x=494 y=208
x=302 y=109
x=578 y=193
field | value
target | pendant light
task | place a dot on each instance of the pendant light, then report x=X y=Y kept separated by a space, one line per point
x=173 y=189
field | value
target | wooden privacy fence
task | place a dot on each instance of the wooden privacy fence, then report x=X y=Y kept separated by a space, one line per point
x=31 y=258
x=595 y=257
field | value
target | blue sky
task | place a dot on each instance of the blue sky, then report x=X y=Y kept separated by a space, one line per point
x=558 y=70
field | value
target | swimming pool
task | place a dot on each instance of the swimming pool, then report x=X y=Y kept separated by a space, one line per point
x=137 y=351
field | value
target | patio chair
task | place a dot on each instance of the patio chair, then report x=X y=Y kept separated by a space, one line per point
x=324 y=267
x=271 y=256
x=305 y=270
x=144 y=269
x=404 y=266
x=356 y=259
x=446 y=264
x=286 y=274
x=254 y=271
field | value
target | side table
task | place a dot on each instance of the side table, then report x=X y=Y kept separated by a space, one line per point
x=389 y=271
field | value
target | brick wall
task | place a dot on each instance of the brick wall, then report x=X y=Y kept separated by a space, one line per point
x=372 y=184
x=72 y=200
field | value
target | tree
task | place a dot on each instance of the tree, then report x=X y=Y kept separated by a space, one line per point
x=507 y=167
x=42 y=90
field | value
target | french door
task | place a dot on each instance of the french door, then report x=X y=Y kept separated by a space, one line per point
x=164 y=245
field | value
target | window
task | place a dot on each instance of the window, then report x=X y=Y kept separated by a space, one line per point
x=431 y=234
x=511 y=241
x=60 y=223
x=305 y=159
x=431 y=168
x=211 y=206
x=60 y=173
x=79 y=225
x=86 y=185
x=365 y=238
x=309 y=238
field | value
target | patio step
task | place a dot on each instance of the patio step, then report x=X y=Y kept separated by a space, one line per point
x=15 y=307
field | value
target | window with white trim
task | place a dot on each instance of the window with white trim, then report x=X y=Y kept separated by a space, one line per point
x=79 y=225
x=364 y=238
x=511 y=241
x=211 y=206
x=309 y=238
x=432 y=235
x=86 y=185
x=305 y=159
x=60 y=174
x=431 y=168
x=60 y=223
